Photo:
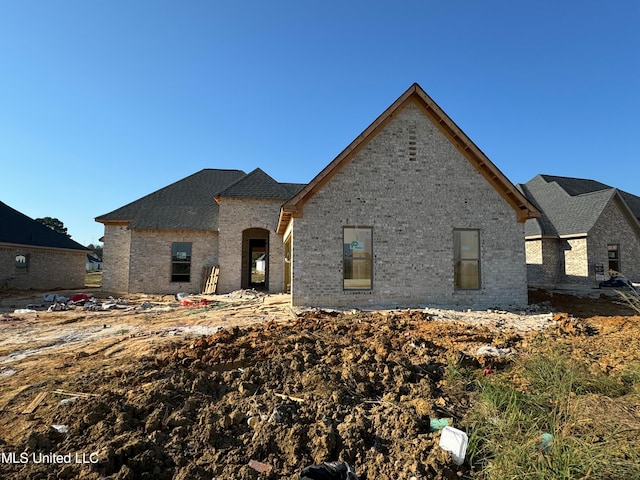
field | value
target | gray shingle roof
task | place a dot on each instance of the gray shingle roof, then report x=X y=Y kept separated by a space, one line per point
x=15 y=227
x=189 y=204
x=633 y=201
x=256 y=184
x=570 y=206
x=576 y=186
x=294 y=188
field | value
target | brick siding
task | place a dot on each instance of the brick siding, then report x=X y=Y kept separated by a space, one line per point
x=572 y=261
x=116 y=255
x=613 y=227
x=150 y=260
x=140 y=260
x=543 y=262
x=235 y=216
x=414 y=188
x=49 y=269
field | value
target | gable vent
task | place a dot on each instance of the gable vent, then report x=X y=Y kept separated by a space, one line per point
x=413 y=138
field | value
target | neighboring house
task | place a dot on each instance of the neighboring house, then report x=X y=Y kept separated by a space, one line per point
x=412 y=212
x=93 y=262
x=587 y=231
x=33 y=256
x=261 y=264
x=163 y=242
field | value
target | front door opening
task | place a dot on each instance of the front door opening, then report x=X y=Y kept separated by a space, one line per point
x=257 y=263
x=287 y=265
x=255 y=259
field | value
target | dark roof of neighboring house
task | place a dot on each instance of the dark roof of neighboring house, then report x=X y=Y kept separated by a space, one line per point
x=258 y=184
x=19 y=229
x=514 y=197
x=570 y=206
x=189 y=204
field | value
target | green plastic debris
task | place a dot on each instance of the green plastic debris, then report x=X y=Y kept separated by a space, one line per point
x=436 y=424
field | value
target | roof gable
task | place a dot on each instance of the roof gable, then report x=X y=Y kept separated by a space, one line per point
x=572 y=206
x=19 y=229
x=524 y=209
x=256 y=184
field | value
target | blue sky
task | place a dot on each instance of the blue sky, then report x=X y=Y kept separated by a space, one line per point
x=103 y=102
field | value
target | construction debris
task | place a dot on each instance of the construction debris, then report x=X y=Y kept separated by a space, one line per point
x=240 y=388
x=35 y=403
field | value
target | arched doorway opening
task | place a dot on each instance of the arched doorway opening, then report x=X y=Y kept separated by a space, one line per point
x=255 y=259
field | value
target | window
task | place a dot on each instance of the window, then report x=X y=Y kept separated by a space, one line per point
x=614 y=259
x=181 y=262
x=22 y=263
x=466 y=270
x=357 y=258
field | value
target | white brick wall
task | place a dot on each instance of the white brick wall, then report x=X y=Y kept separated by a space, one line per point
x=576 y=266
x=116 y=255
x=140 y=260
x=236 y=216
x=543 y=262
x=414 y=188
x=150 y=260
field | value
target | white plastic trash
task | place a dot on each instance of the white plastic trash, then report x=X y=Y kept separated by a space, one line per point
x=61 y=428
x=454 y=441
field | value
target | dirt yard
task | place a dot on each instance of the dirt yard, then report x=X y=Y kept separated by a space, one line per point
x=243 y=387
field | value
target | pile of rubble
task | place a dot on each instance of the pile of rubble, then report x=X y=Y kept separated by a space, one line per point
x=60 y=303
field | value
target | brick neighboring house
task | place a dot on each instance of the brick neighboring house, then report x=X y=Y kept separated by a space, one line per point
x=33 y=256
x=412 y=212
x=162 y=242
x=585 y=225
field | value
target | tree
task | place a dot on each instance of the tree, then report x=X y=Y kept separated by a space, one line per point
x=54 y=224
x=97 y=249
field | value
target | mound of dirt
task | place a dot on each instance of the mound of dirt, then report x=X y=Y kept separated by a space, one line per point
x=358 y=387
x=267 y=395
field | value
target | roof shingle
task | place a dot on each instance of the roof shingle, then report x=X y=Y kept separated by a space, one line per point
x=189 y=204
x=17 y=228
x=256 y=184
x=570 y=206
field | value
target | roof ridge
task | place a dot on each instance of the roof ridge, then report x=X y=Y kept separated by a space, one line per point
x=610 y=190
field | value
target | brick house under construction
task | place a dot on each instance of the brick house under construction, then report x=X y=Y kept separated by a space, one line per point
x=588 y=231
x=411 y=213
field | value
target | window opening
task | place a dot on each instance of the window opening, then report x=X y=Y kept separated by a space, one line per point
x=614 y=259
x=357 y=256
x=22 y=263
x=466 y=271
x=181 y=262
